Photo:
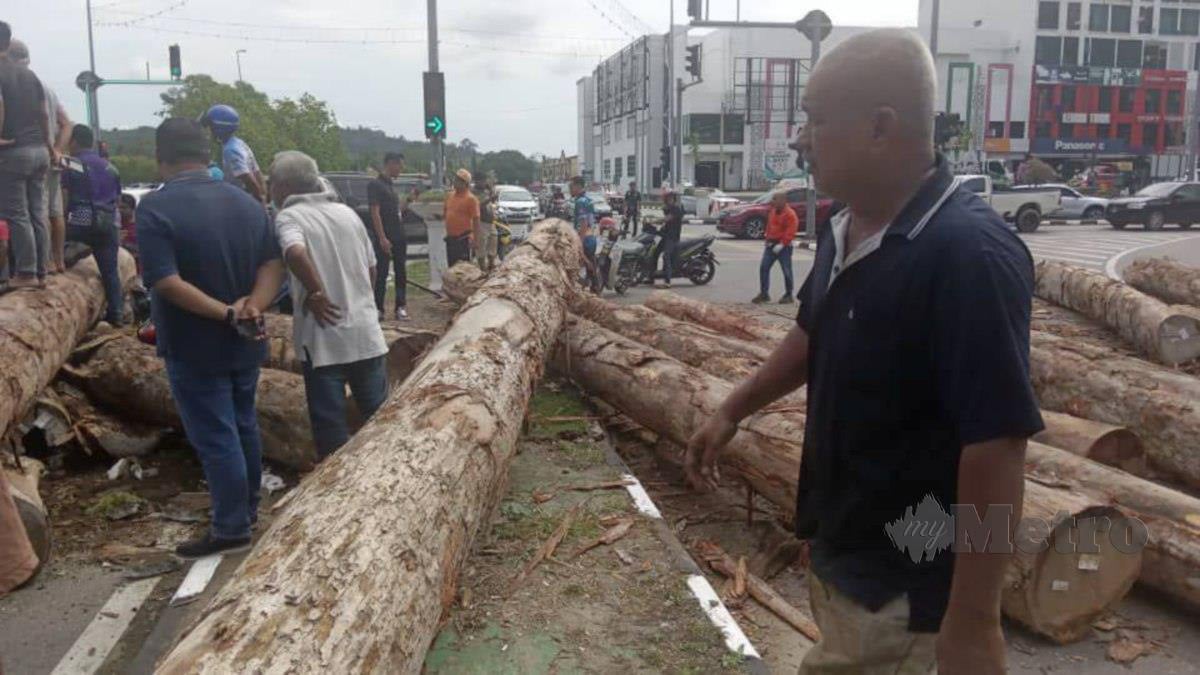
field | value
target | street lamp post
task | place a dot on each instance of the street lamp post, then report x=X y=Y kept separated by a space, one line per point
x=816 y=26
x=238 y=56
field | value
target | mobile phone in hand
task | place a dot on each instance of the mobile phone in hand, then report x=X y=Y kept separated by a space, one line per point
x=252 y=329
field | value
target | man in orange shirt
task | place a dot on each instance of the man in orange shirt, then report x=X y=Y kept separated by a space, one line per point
x=782 y=224
x=462 y=217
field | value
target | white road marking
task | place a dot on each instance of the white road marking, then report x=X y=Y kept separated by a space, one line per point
x=101 y=635
x=641 y=499
x=197 y=579
x=735 y=639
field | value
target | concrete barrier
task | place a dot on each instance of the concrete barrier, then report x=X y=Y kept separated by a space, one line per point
x=1186 y=251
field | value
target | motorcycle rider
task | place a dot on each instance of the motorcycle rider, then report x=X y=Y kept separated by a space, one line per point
x=633 y=208
x=237 y=159
x=670 y=232
x=585 y=221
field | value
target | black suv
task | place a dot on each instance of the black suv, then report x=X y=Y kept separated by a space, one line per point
x=351 y=188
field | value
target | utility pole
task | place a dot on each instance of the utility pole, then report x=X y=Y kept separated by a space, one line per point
x=435 y=142
x=90 y=94
x=815 y=26
x=933 y=27
x=238 y=55
x=672 y=124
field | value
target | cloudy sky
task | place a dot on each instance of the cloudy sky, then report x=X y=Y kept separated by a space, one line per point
x=511 y=66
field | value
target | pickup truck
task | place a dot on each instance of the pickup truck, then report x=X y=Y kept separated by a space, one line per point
x=1024 y=208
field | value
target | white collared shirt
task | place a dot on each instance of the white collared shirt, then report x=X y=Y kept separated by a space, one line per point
x=841 y=228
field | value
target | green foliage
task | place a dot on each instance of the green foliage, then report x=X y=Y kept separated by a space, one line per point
x=306 y=124
x=135 y=168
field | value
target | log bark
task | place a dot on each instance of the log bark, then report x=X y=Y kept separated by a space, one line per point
x=405 y=347
x=1099 y=442
x=127 y=375
x=1166 y=279
x=1159 y=405
x=732 y=322
x=1164 y=333
x=1172 y=557
x=1059 y=595
x=98 y=431
x=357 y=569
x=461 y=281
x=38 y=329
x=673 y=400
x=24 y=484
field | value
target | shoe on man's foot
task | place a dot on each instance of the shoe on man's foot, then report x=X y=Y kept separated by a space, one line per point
x=401 y=314
x=786 y=299
x=208 y=545
x=761 y=298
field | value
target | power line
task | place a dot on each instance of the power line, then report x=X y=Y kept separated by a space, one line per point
x=611 y=20
x=146 y=17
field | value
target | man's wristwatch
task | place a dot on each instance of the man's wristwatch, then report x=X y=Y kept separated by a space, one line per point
x=230 y=316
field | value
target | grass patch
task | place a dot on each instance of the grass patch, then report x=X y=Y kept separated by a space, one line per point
x=581 y=455
x=523 y=521
x=113 y=504
x=547 y=404
x=418 y=272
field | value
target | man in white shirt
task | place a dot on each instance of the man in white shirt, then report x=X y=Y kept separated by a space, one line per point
x=335 y=327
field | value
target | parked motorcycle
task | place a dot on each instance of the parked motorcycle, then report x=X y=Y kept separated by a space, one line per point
x=694 y=260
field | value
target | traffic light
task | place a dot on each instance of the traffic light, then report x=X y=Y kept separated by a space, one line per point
x=694 y=9
x=664 y=157
x=693 y=61
x=435 y=105
x=176 y=63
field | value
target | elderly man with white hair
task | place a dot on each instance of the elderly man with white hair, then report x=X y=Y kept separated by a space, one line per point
x=913 y=339
x=335 y=327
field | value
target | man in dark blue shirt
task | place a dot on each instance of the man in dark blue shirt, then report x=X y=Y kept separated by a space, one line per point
x=913 y=338
x=210 y=256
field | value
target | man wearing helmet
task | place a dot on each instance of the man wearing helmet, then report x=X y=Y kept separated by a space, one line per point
x=237 y=159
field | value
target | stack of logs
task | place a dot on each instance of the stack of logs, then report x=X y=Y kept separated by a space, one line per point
x=1116 y=424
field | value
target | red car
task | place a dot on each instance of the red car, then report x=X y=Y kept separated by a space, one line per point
x=749 y=221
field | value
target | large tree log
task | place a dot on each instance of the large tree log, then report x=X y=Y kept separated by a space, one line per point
x=1099 y=442
x=405 y=346
x=127 y=375
x=731 y=322
x=355 y=572
x=1164 y=333
x=24 y=483
x=1172 y=557
x=673 y=400
x=39 y=328
x=1165 y=279
x=1160 y=405
x=461 y=281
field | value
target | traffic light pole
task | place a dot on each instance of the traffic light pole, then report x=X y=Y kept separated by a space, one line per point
x=439 y=168
x=93 y=110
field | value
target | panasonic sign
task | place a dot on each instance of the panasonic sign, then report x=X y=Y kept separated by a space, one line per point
x=1078 y=146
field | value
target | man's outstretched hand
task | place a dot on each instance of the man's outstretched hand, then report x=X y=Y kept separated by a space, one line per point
x=700 y=462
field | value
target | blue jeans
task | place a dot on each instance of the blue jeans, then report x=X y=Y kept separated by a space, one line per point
x=784 y=257
x=325 y=389
x=217 y=408
x=103 y=240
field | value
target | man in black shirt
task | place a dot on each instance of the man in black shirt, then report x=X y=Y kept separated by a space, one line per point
x=913 y=339
x=670 y=232
x=387 y=234
x=633 y=208
x=24 y=160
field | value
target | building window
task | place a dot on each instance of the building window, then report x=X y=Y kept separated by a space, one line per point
x=1168 y=21
x=995 y=130
x=1106 y=96
x=1068 y=99
x=607 y=169
x=1048 y=51
x=617 y=130
x=1070 y=53
x=631 y=125
x=1041 y=130
x=1121 y=17
x=1129 y=53
x=1045 y=100
x=631 y=166
x=1047 y=16
x=1125 y=132
x=616 y=169
x=1066 y=130
x=1098 y=18
x=1125 y=99
x=1150 y=135
x=1189 y=22
x=1175 y=137
x=1101 y=52
x=1154 y=56
x=1074 y=11
x=1146 y=19
x=1016 y=130
x=1103 y=131
x=1153 y=101
x=1174 y=102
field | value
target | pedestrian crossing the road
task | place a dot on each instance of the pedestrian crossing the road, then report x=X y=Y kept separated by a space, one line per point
x=1092 y=245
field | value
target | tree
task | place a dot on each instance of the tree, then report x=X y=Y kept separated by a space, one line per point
x=306 y=124
x=510 y=166
x=135 y=168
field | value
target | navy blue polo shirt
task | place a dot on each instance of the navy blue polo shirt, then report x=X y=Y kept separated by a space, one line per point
x=916 y=350
x=215 y=236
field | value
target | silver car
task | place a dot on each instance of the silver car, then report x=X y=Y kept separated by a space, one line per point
x=1075 y=204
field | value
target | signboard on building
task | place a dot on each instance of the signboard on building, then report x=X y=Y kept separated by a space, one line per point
x=779 y=161
x=1083 y=146
x=1111 y=77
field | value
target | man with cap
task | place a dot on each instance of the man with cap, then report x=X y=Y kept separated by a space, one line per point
x=462 y=219
x=237 y=159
